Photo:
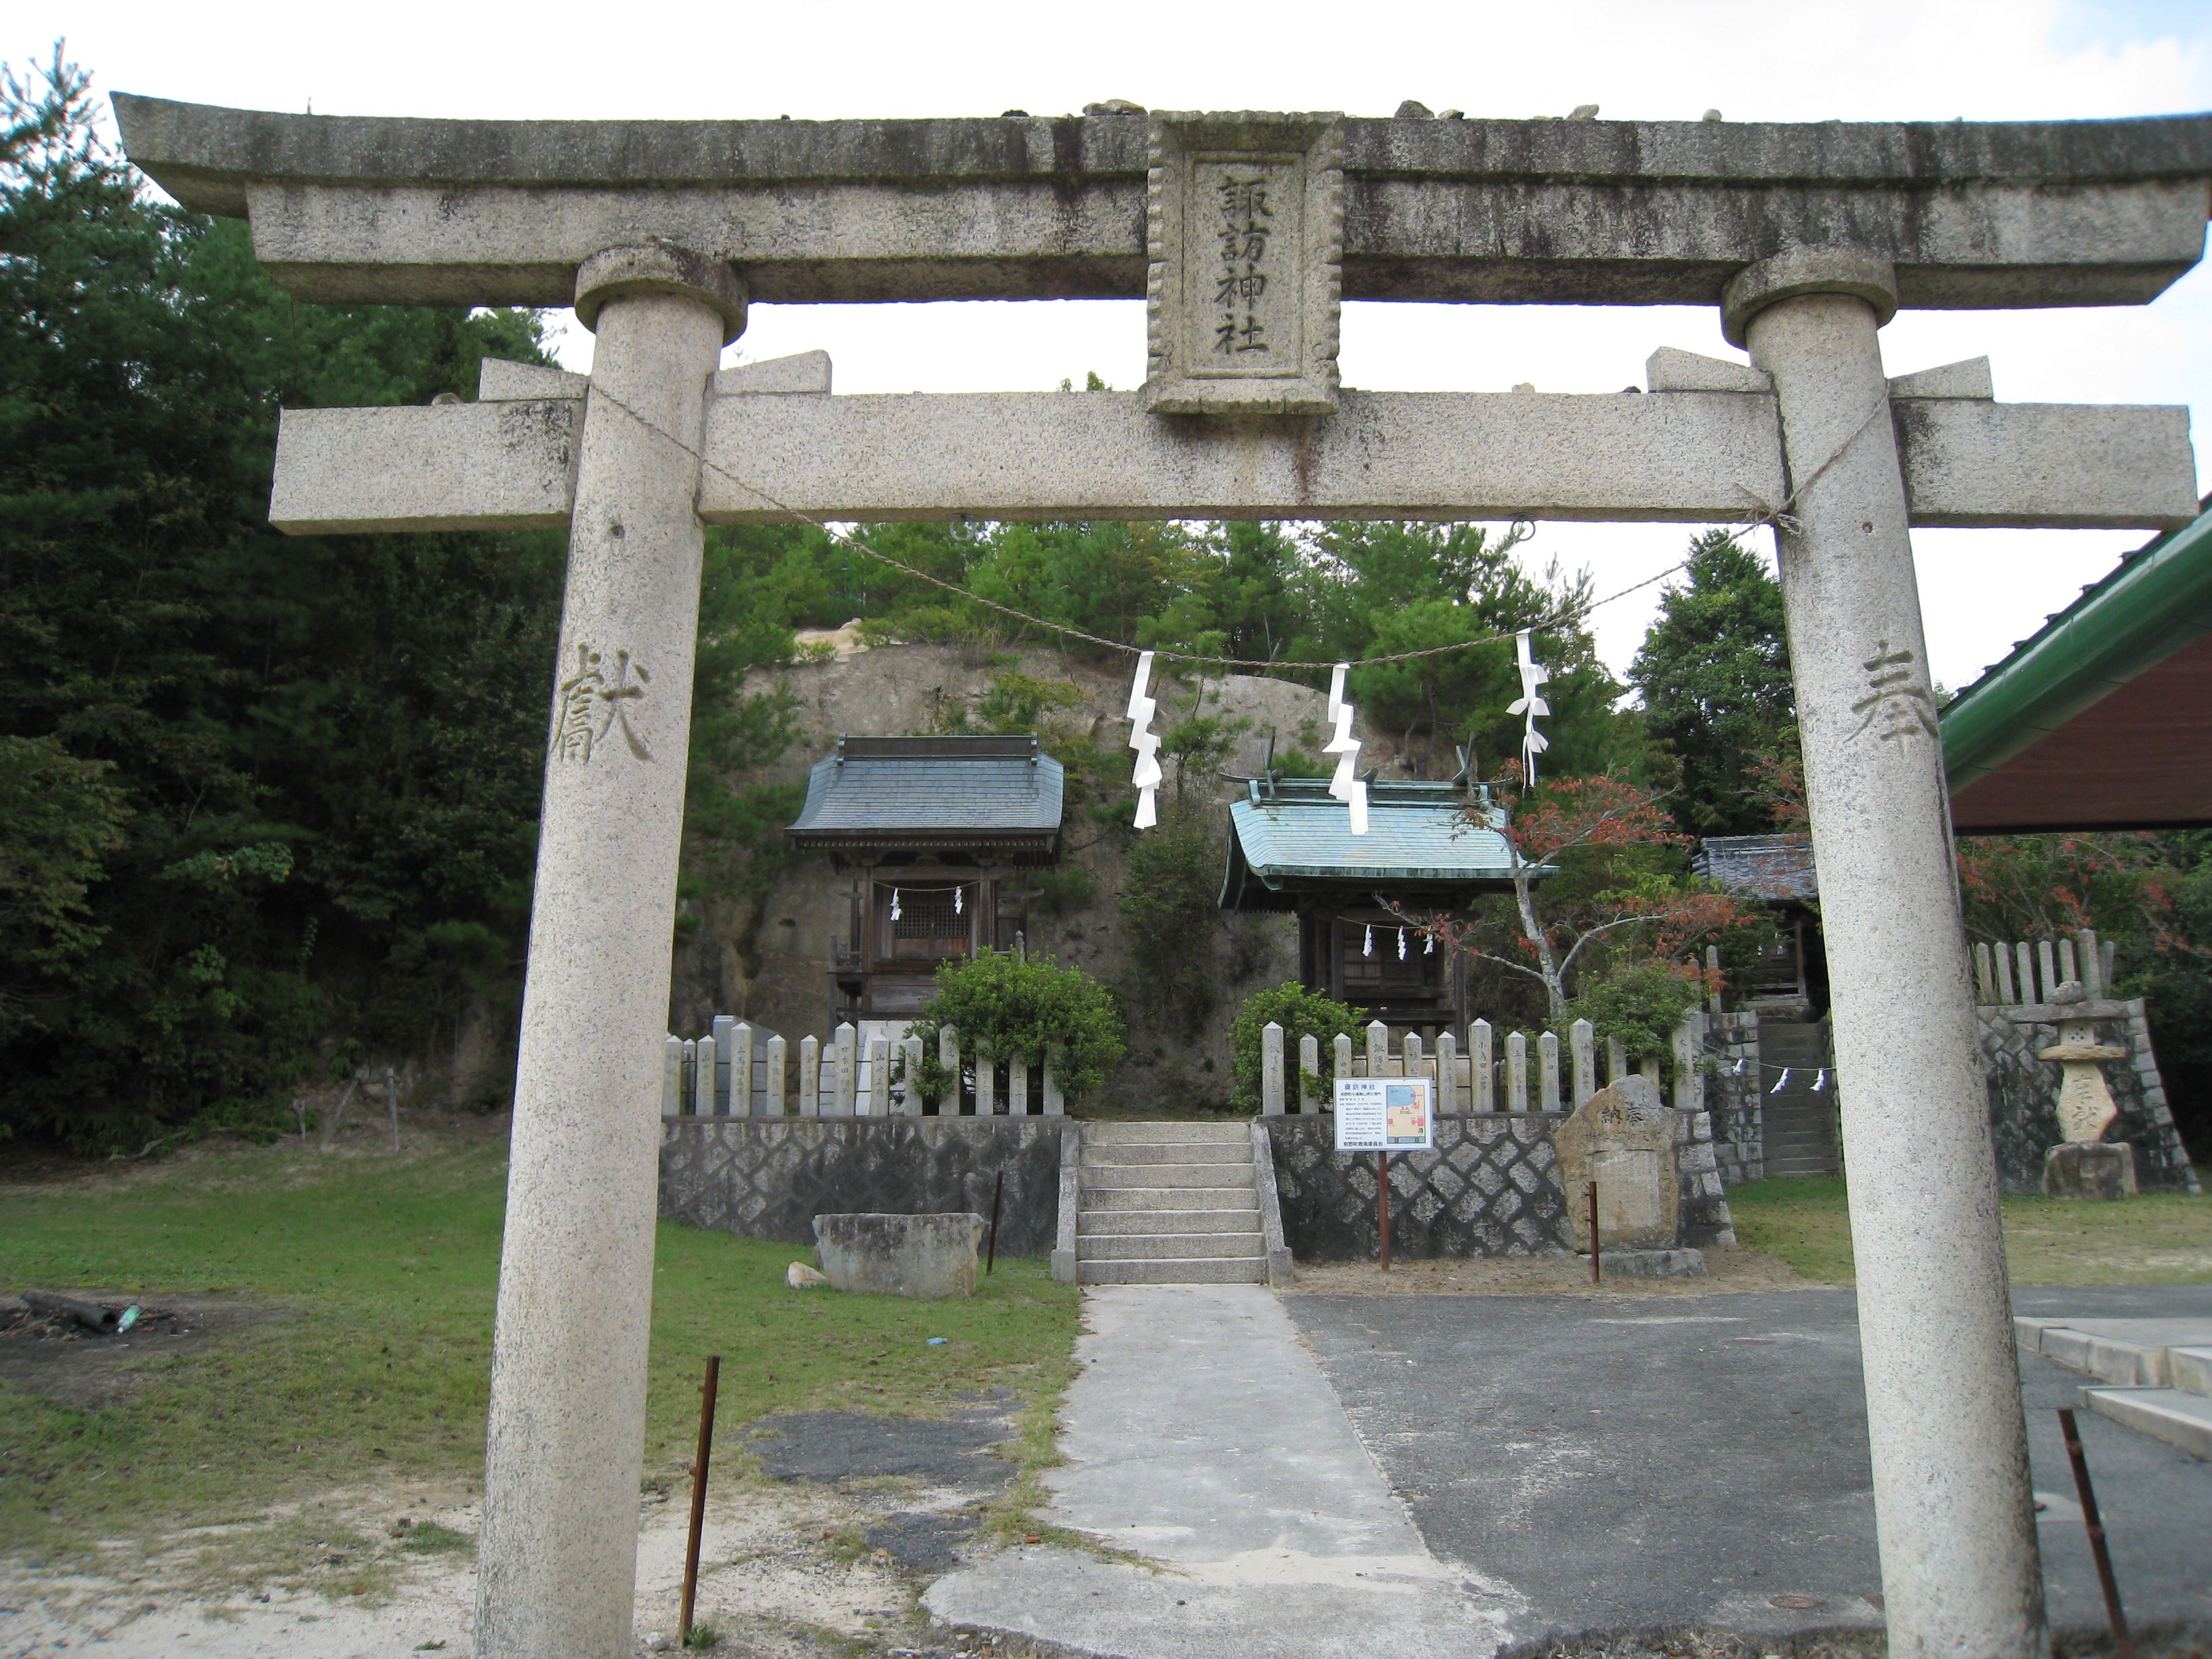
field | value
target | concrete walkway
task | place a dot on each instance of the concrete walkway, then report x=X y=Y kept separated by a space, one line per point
x=1202 y=1436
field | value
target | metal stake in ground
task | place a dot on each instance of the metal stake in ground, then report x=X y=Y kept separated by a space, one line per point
x=698 y=1496
x=1597 y=1265
x=998 y=1192
x=2123 y=1643
x=1383 y=1203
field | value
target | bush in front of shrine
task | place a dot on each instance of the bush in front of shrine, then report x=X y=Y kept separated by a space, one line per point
x=1301 y=1013
x=1018 y=1007
x=1639 y=1007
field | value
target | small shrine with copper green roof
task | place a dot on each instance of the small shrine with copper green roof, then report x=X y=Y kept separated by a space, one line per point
x=1429 y=848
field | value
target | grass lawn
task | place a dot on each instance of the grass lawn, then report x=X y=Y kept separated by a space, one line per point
x=2159 y=1238
x=388 y=1267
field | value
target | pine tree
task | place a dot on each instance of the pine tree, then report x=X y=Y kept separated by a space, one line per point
x=1714 y=673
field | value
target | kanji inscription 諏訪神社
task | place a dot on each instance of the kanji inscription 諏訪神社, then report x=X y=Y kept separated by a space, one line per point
x=1245 y=231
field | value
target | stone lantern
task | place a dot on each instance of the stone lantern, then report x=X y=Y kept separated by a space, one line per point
x=2085 y=1165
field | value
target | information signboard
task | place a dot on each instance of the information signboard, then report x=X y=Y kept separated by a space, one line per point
x=1385 y=1114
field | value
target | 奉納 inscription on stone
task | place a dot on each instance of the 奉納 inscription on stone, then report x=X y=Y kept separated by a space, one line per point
x=1244 y=227
x=1624 y=1138
x=1895 y=699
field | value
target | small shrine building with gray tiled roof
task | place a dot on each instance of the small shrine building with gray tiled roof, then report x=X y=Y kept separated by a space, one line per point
x=1790 y=976
x=933 y=831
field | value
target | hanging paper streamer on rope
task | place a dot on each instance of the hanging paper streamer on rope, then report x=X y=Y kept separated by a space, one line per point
x=895 y=904
x=1781 y=1083
x=1145 y=780
x=959 y=893
x=1402 y=944
x=1367 y=949
x=1528 y=705
x=1821 y=1082
x=1429 y=944
x=1347 y=788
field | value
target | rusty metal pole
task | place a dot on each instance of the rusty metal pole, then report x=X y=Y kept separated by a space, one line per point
x=699 y=1496
x=1383 y=1203
x=998 y=1192
x=2123 y=1645
x=1597 y=1265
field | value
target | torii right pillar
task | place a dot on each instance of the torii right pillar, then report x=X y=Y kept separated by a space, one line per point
x=1954 y=1512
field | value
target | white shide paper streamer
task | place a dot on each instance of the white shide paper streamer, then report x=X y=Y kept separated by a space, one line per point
x=1145 y=780
x=1347 y=788
x=1530 y=704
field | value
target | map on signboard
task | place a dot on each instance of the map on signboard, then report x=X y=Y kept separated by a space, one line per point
x=1385 y=1115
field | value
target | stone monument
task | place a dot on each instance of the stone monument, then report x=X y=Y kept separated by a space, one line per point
x=2084 y=1164
x=1805 y=239
x=1623 y=1138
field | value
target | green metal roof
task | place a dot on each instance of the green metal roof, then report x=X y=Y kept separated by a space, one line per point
x=2155 y=604
x=1293 y=836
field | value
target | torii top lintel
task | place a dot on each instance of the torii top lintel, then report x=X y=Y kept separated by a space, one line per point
x=1973 y=215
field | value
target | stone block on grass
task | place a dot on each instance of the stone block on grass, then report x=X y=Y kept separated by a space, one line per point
x=927 y=1257
x=2090 y=1168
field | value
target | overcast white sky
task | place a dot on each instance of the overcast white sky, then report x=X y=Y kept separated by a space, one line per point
x=1785 y=60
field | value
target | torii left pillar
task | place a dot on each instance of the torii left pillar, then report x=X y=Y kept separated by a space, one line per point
x=557 y=1560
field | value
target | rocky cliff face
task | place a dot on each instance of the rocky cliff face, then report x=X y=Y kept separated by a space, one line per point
x=767 y=959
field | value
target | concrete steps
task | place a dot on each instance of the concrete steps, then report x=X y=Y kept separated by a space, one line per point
x=1167 y=1247
x=1168 y=1203
x=1106 y=1224
x=2158 y=1372
x=1228 y=1270
x=1799 y=1122
x=1164 y=1198
x=2182 y=1420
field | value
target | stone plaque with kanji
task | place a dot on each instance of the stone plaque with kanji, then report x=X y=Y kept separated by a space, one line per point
x=1244 y=231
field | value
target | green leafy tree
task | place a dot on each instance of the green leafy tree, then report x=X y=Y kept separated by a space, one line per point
x=1170 y=920
x=298 y=776
x=1714 y=673
x=1301 y=1013
x=1639 y=1007
x=1023 y=1008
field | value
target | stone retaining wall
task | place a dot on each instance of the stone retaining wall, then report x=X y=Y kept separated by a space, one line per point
x=1490 y=1188
x=769 y=1177
x=1735 y=1099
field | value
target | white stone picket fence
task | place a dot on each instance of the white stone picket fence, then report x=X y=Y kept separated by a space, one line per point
x=2008 y=975
x=1479 y=1080
x=838 y=1079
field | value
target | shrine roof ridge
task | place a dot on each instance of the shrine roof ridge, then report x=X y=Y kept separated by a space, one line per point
x=205 y=155
x=931 y=788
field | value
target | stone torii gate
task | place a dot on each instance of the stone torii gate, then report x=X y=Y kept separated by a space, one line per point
x=1244 y=232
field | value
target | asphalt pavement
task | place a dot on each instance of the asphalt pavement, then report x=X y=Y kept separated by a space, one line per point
x=1633 y=1464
